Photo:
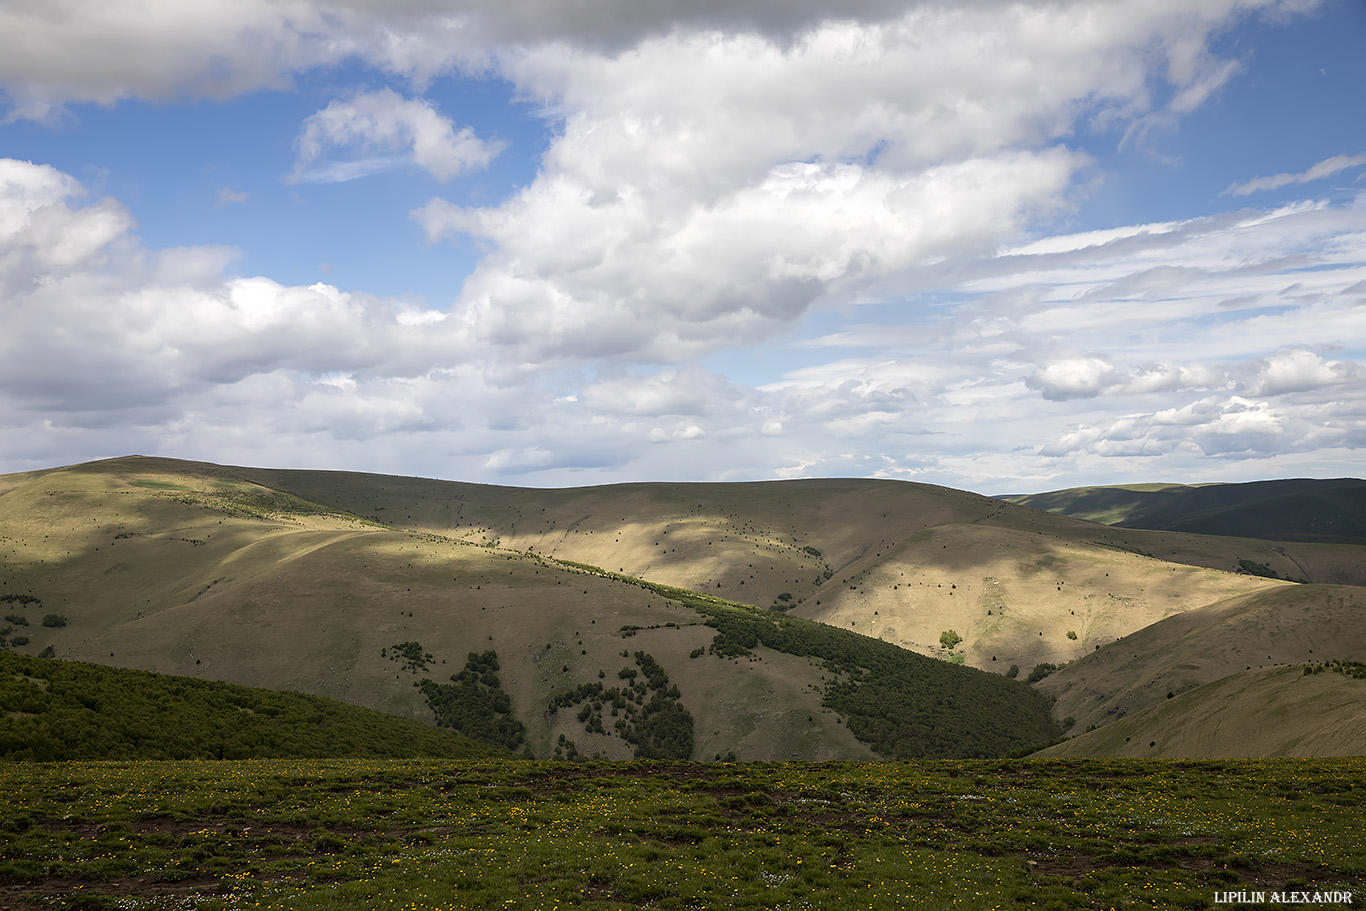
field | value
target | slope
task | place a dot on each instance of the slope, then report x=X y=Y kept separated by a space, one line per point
x=1264 y=712
x=1283 y=625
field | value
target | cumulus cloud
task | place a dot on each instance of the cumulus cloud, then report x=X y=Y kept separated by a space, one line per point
x=377 y=131
x=51 y=54
x=96 y=322
x=712 y=187
x=1325 y=168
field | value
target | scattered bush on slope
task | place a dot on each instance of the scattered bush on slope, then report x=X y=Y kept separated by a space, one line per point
x=903 y=705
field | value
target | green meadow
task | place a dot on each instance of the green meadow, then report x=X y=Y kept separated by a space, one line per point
x=439 y=835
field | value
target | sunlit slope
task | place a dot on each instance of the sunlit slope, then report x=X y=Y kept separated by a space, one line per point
x=901 y=561
x=1282 y=625
x=1264 y=712
x=1301 y=509
x=197 y=569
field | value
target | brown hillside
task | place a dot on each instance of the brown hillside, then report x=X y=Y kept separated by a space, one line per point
x=1283 y=625
x=1265 y=712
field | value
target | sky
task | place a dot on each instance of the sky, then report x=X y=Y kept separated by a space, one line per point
x=1004 y=247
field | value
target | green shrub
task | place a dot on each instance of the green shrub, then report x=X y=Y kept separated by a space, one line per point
x=949 y=638
x=54 y=620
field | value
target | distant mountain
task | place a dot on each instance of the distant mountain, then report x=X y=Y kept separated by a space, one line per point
x=1325 y=511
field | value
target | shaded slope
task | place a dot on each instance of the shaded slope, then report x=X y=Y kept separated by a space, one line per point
x=62 y=710
x=1265 y=712
x=1283 y=625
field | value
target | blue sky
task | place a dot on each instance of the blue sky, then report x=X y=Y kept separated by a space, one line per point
x=1004 y=247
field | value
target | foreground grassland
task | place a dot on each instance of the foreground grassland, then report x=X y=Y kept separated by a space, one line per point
x=343 y=834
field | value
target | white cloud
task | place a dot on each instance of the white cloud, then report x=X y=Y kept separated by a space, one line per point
x=710 y=188
x=96 y=322
x=1325 y=168
x=1303 y=371
x=1077 y=377
x=401 y=130
x=230 y=197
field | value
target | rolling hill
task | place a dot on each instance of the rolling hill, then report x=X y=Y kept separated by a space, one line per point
x=360 y=587
x=199 y=570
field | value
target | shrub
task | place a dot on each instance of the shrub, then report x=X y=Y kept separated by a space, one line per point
x=1071 y=634
x=949 y=638
x=1041 y=671
x=54 y=620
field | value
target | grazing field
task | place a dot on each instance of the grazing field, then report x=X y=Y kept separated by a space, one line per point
x=366 y=834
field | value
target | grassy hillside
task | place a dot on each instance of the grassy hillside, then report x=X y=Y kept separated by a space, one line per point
x=1290 y=624
x=1265 y=712
x=1327 y=511
x=65 y=710
x=204 y=571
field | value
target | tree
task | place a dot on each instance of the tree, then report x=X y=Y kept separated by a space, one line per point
x=949 y=638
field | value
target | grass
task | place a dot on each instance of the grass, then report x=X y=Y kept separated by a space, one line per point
x=419 y=835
